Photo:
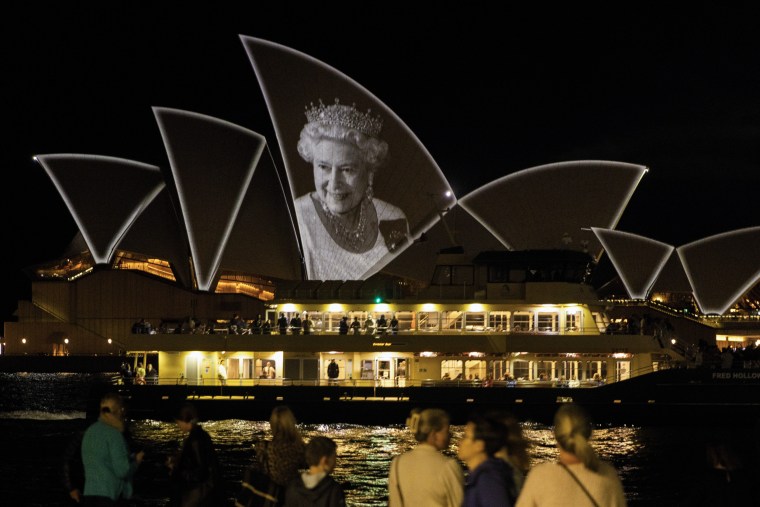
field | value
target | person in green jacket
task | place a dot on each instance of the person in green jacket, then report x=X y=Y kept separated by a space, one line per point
x=108 y=464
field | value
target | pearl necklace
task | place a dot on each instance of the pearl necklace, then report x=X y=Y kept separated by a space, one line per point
x=354 y=239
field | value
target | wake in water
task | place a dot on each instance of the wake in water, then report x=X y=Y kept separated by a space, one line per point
x=39 y=415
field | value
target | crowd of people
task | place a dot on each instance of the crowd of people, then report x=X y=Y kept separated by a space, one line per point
x=295 y=325
x=140 y=375
x=497 y=467
x=492 y=464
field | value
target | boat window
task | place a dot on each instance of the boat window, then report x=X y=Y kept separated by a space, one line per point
x=569 y=370
x=545 y=370
x=367 y=371
x=594 y=368
x=453 y=275
x=384 y=370
x=622 y=370
x=317 y=323
x=601 y=321
x=522 y=322
x=330 y=321
x=548 y=322
x=475 y=369
x=521 y=370
x=498 y=321
x=451 y=321
x=452 y=368
x=500 y=369
x=361 y=315
x=475 y=321
x=573 y=321
x=405 y=321
x=427 y=321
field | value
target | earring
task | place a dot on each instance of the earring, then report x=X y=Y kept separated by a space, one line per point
x=370 y=192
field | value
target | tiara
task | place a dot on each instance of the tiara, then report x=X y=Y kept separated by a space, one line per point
x=347 y=116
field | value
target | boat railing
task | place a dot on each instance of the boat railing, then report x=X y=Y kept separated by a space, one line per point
x=381 y=383
x=468 y=330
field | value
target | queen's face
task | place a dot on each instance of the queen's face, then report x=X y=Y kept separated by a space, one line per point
x=341 y=176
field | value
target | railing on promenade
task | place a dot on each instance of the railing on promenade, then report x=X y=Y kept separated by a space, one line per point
x=574 y=330
x=351 y=383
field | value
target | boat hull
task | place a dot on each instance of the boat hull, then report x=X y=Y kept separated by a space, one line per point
x=679 y=397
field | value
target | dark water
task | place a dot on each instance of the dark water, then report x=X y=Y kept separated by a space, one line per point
x=40 y=412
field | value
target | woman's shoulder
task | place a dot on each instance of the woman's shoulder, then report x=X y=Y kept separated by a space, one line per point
x=607 y=469
x=287 y=444
x=304 y=202
x=387 y=211
x=542 y=470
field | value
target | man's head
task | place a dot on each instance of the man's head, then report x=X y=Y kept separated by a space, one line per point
x=321 y=452
x=112 y=407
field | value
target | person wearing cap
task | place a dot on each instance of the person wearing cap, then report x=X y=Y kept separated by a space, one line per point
x=108 y=464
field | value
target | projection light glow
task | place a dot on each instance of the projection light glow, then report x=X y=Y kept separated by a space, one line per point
x=205 y=274
x=550 y=211
x=126 y=169
x=717 y=298
x=640 y=290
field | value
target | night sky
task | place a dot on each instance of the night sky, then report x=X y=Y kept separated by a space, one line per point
x=487 y=92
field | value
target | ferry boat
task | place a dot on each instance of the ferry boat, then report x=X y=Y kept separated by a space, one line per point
x=523 y=346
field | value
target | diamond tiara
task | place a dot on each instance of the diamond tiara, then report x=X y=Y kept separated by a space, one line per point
x=347 y=116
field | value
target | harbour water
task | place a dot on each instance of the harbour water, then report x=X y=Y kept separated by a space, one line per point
x=39 y=414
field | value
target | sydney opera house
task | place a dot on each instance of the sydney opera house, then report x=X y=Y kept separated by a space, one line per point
x=346 y=214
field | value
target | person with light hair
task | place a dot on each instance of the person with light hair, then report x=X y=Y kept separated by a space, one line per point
x=346 y=231
x=424 y=476
x=285 y=452
x=579 y=477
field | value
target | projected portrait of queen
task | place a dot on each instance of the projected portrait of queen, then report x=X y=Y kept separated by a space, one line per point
x=345 y=230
